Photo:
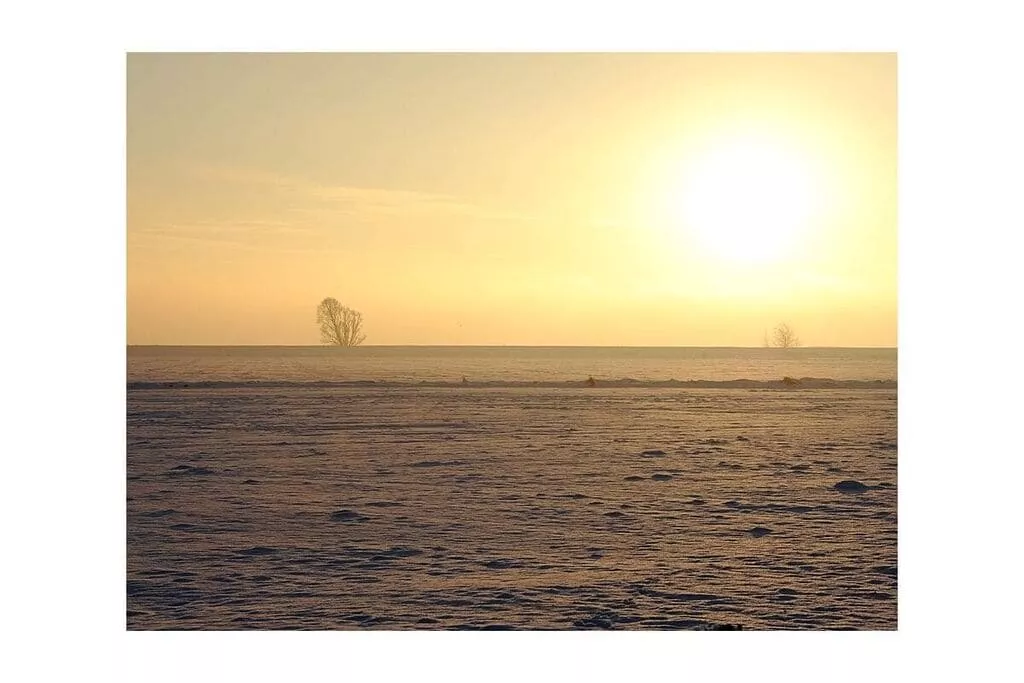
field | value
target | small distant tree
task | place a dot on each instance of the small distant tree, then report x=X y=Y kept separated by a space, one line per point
x=783 y=337
x=339 y=325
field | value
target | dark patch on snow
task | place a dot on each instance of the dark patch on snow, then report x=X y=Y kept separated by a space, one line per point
x=257 y=551
x=397 y=552
x=347 y=516
x=597 y=621
x=159 y=513
x=502 y=564
x=851 y=486
x=190 y=469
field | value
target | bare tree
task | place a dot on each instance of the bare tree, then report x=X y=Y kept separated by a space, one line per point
x=783 y=337
x=339 y=325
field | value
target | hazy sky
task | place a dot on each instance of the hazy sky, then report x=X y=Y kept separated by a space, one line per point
x=606 y=199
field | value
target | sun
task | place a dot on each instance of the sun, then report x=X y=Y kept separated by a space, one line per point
x=747 y=200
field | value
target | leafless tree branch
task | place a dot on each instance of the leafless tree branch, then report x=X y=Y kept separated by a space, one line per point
x=339 y=325
x=783 y=337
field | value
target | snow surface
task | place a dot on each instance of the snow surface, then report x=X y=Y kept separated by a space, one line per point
x=418 y=507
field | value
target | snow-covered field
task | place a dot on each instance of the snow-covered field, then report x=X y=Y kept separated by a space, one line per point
x=535 y=507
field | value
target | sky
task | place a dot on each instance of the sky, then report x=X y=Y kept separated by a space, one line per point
x=550 y=199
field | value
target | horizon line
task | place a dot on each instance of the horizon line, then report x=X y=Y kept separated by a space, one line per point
x=520 y=346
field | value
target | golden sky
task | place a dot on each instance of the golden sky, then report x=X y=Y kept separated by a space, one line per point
x=581 y=199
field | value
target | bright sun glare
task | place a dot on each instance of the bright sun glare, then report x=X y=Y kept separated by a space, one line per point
x=748 y=200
